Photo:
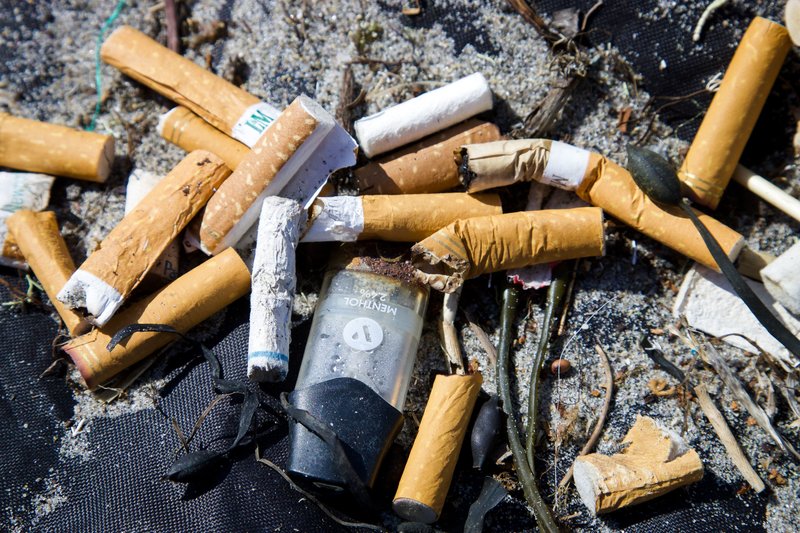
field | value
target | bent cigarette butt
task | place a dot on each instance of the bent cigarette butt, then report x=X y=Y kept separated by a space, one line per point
x=655 y=462
x=184 y=303
x=183 y=128
x=228 y=108
x=427 y=166
x=275 y=158
x=429 y=470
x=109 y=275
x=402 y=218
x=470 y=247
x=274 y=281
x=52 y=149
x=44 y=249
x=782 y=279
x=428 y=113
x=611 y=187
x=726 y=127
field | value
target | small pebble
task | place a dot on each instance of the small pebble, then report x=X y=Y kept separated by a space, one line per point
x=560 y=367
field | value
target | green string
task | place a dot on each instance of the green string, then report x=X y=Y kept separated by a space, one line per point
x=98 y=82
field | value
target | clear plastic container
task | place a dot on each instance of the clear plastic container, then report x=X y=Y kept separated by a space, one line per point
x=366 y=326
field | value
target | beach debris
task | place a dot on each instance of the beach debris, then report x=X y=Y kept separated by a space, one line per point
x=399 y=218
x=470 y=247
x=782 y=279
x=767 y=191
x=713 y=6
x=19 y=191
x=709 y=408
x=279 y=154
x=357 y=366
x=423 y=115
x=274 y=279
x=52 y=149
x=181 y=305
x=428 y=473
x=106 y=279
x=485 y=431
x=709 y=304
x=792 y=18
x=560 y=367
x=729 y=120
x=40 y=242
x=425 y=166
x=492 y=493
x=655 y=462
x=597 y=181
x=183 y=128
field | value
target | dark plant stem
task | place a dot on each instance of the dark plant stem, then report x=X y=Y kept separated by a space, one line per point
x=544 y=518
x=555 y=299
x=750 y=299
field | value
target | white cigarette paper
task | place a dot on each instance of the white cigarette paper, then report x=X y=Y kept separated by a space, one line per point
x=782 y=279
x=709 y=304
x=341 y=218
x=273 y=289
x=427 y=113
x=20 y=190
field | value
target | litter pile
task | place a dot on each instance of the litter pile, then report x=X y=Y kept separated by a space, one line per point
x=416 y=283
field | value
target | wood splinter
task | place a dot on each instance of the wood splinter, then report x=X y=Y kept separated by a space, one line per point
x=655 y=462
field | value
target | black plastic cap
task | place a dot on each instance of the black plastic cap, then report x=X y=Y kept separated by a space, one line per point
x=364 y=422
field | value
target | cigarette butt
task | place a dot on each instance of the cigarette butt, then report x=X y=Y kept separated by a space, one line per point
x=427 y=166
x=40 y=242
x=217 y=101
x=733 y=112
x=429 y=470
x=279 y=153
x=183 y=128
x=611 y=187
x=470 y=247
x=655 y=462
x=428 y=113
x=499 y=163
x=274 y=280
x=411 y=218
x=52 y=149
x=184 y=303
x=107 y=277
x=782 y=279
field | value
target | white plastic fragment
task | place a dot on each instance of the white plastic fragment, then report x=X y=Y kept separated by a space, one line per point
x=782 y=279
x=709 y=304
x=428 y=113
x=273 y=284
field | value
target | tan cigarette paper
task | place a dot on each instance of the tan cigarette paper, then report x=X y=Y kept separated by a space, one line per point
x=611 y=187
x=410 y=218
x=500 y=163
x=655 y=462
x=733 y=112
x=219 y=102
x=182 y=304
x=109 y=275
x=474 y=246
x=185 y=129
x=426 y=166
x=234 y=209
x=44 y=249
x=429 y=470
x=52 y=149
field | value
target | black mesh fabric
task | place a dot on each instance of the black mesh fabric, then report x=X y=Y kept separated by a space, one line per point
x=118 y=486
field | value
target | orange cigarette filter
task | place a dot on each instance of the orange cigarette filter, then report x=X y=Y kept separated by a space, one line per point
x=184 y=303
x=136 y=55
x=426 y=166
x=52 y=149
x=38 y=238
x=470 y=247
x=723 y=134
x=429 y=470
x=185 y=129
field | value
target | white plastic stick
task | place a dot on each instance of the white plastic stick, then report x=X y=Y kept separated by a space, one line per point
x=767 y=191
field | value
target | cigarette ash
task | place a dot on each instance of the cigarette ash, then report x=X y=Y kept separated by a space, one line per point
x=50 y=77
